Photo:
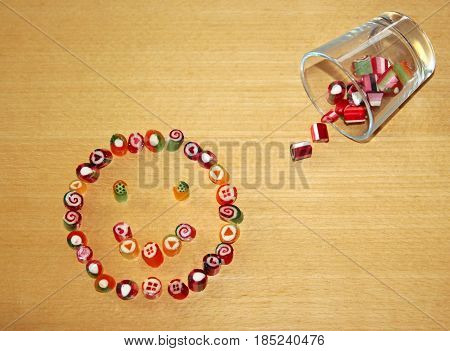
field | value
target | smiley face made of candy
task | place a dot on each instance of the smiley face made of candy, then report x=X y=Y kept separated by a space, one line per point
x=152 y=253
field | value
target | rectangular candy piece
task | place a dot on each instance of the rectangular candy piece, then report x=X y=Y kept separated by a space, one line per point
x=387 y=80
x=330 y=117
x=404 y=73
x=375 y=99
x=301 y=150
x=362 y=66
x=369 y=83
x=319 y=133
x=354 y=114
x=379 y=64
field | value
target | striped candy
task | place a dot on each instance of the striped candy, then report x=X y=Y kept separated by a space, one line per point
x=72 y=220
x=176 y=138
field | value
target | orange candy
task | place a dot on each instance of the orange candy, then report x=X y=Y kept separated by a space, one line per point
x=78 y=186
x=171 y=245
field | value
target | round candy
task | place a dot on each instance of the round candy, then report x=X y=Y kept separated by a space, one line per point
x=207 y=159
x=176 y=138
x=100 y=158
x=152 y=255
x=118 y=145
x=231 y=214
x=185 y=232
x=151 y=288
x=192 y=151
x=87 y=173
x=104 y=283
x=120 y=191
x=72 y=220
x=225 y=252
x=122 y=231
x=177 y=289
x=129 y=248
x=127 y=289
x=171 y=245
x=197 y=280
x=73 y=201
x=84 y=254
x=78 y=186
x=135 y=142
x=94 y=268
x=181 y=191
x=76 y=239
x=154 y=141
x=226 y=194
x=211 y=264
x=229 y=233
x=218 y=175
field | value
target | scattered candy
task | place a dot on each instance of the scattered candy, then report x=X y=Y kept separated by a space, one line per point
x=152 y=288
x=122 y=231
x=177 y=289
x=181 y=191
x=76 y=239
x=87 y=173
x=72 y=220
x=171 y=245
x=73 y=201
x=176 y=138
x=218 y=175
x=78 y=186
x=104 y=283
x=207 y=159
x=127 y=289
x=84 y=254
x=375 y=99
x=120 y=191
x=135 y=143
x=229 y=233
x=301 y=150
x=185 y=232
x=100 y=158
x=330 y=117
x=211 y=264
x=354 y=97
x=388 y=80
x=379 y=65
x=154 y=141
x=362 y=66
x=369 y=83
x=152 y=255
x=336 y=92
x=118 y=145
x=94 y=268
x=340 y=107
x=404 y=73
x=192 y=151
x=197 y=280
x=225 y=252
x=226 y=194
x=354 y=114
x=319 y=133
x=129 y=248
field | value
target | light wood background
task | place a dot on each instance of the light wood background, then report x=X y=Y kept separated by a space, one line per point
x=357 y=237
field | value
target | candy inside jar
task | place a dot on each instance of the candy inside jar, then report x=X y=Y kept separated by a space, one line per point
x=358 y=80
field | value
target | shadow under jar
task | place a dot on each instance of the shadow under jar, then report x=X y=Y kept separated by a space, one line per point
x=391 y=36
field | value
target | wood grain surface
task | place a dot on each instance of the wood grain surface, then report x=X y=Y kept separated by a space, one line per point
x=356 y=238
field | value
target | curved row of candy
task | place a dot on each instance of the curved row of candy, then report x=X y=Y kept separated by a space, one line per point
x=226 y=195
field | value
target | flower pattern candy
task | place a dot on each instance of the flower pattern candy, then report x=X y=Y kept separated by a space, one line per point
x=218 y=175
x=104 y=283
x=127 y=289
x=152 y=255
x=154 y=141
x=177 y=289
x=181 y=191
x=129 y=248
x=151 y=288
x=122 y=231
x=192 y=151
x=73 y=201
x=78 y=186
x=94 y=268
x=207 y=159
x=211 y=264
x=176 y=138
x=87 y=173
x=84 y=254
x=120 y=191
x=197 y=280
x=118 y=145
x=135 y=143
x=100 y=158
x=76 y=239
x=185 y=232
x=231 y=214
x=72 y=220
x=226 y=194
x=229 y=233
x=225 y=252
x=171 y=245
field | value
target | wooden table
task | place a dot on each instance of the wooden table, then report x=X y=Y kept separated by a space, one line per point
x=357 y=237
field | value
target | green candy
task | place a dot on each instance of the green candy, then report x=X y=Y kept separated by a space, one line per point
x=120 y=191
x=363 y=66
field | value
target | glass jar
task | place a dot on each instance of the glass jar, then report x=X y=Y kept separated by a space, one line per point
x=391 y=42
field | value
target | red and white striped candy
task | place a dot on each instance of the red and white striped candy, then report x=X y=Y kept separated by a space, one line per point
x=330 y=117
x=301 y=150
x=379 y=64
x=354 y=114
x=319 y=133
x=135 y=142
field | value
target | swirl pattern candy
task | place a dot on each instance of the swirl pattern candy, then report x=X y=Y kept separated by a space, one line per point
x=72 y=220
x=229 y=233
x=192 y=151
x=118 y=145
x=171 y=245
x=231 y=214
x=207 y=159
x=127 y=289
x=176 y=138
x=94 y=268
x=211 y=264
x=122 y=231
x=135 y=143
x=197 y=280
x=120 y=191
x=129 y=248
x=73 y=201
x=177 y=289
x=151 y=288
x=152 y=255
x=104 y=283
x=225 y=252
x=185 y=232
x=100 y=158
x=84 y=254
x=87 y=173
x=218 y=175
x=226 y=194
x=154 y=141
x=78 y=186
x=76 y=239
